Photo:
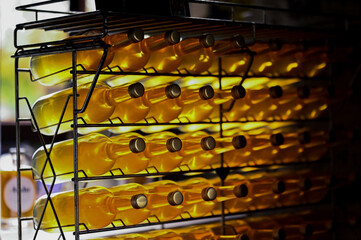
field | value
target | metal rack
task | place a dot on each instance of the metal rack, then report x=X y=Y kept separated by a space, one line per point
x=109 y=22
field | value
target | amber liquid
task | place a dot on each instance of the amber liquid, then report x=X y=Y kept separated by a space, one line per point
x=127 y=161
x=50 y=67
x=48 y=109
x=6 y=212
x=263 y=61
x=95 y=210
x=235 y=64
x=158 y=200
x=314 y=62
x=194 y=156
x=94 y=158
x=129 y=215
x=194 y=204
x=165 y=60
x=160 y=157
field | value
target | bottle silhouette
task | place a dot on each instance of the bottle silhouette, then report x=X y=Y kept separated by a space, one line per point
x=317 y=147
x=103 y=204
x=233 y=62
x=163 y=151
x=132 y=161
x=164 y=234
x=287 y=62
x=199 y=196
x=165 y=55
x=51 y=69
x=268 y=231
x=314 y=61
x=96 y=156
x=265 y=56
x=138 y=197
x=48 y=109
x=202 y=110
x=165 y=200
x=197 y=53
x=196 y=150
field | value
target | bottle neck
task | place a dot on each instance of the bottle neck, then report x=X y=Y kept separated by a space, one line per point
x=161 y=41
x=190 y=96
x=121 y=40
x=160 y=94
x=120 y=94
x=190 y=45
x=229 y=46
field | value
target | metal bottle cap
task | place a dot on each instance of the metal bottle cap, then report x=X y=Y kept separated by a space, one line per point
x=208 y=143
x=173 y=91
x=279 y=234
x=172 y=37
x=139 y=201
x=239 y=142
x=174 y=144
x=304 y=137
x=275 y=92
x=175 y=198
x=136 y=90
x=135 y=35
x=279 y=187
x=305 y=184
x=240 y=190
x=277 y=139
x=275 y=44
x=303 y=92
x=209 y=194
x=137 y=145
x=207 y=40
x=238 y=92
x=239 y=41
x=206 y=92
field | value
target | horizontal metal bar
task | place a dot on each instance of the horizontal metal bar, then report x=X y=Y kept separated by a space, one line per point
x=24 y=119
x=22 y=7
x=26 y=169
x=26 y=219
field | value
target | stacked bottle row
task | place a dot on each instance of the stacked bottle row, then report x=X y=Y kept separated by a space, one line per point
x=297 y=226
x=167 y=200
x=171 y=104
x=165 y=53
x=131 y=153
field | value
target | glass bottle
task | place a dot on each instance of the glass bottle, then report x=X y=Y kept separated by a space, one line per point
x=102 y=202
x=96 y=156
x=48 y=109
x=49 y=69
x=197 y=53
x=8 y=182
x=165 y=200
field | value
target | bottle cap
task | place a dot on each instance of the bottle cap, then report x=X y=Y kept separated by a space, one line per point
x=208 y=143
x=173 y=91
x=238 y=92
x=277 y=139
x=239 y=142
x=135 y=35
x=207 y=40
x=209 y=194
x=172 y=37
x=206 y=92
x=242 y=237
x=305 y=184
x=304 y=137
x=279 y=187
x=307 y=230
x=240 y=190
x=239 y=41
x=139 y=201
x=303 y=92
x=175 y=198
x=174 y=144
x=275 y=44
x=275 y=92
x=136 y=90
x=279 y=234
x=137 y=145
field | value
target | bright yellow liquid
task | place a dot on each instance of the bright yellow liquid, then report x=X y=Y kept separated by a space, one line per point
x=165 y=60
x=197 y=61
x=128 y=161
x=130 y=216
x=160 y=157
x=235 y=64
x=158 y=200
x=94 y=158
x=194 y=204
x=95 y=210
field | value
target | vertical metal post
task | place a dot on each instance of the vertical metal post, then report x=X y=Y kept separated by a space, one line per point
x=75 y=144
x=17 y=126
x=221 y=135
